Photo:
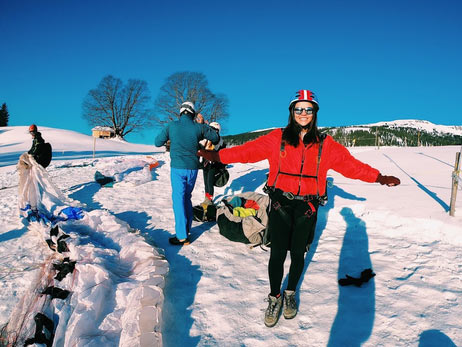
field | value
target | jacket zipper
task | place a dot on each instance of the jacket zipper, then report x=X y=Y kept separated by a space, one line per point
x=301 y=170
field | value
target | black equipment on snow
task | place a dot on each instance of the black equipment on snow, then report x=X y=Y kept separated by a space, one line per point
x=204 y=213
x=366 y=275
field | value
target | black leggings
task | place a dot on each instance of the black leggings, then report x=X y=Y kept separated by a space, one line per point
x=291 y=225
x=276 y=269
x=209 y=178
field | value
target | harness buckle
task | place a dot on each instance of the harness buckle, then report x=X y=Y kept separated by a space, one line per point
x=289 y=195
x=276 y=205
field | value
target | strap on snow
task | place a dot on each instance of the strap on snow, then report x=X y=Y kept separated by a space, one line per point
x=63 y=268
x=56 y=293
x=43 y=331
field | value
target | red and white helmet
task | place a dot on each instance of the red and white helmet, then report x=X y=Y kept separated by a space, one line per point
x=304 y=95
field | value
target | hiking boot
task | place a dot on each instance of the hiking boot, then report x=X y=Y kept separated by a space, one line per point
x=273 y=310
x=290 y=306
x=176 y=242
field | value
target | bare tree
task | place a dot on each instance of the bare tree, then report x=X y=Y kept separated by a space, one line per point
x=121 y=107
x=189 y=86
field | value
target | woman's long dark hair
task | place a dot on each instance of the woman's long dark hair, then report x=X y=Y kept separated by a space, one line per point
x=291 y=132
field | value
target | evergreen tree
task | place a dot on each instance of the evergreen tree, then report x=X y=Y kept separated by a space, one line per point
x=4 y=116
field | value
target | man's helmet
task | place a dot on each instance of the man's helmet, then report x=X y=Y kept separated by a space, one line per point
x=216 y=125
x=304 y=95
x=33 y=128
x=187 y=106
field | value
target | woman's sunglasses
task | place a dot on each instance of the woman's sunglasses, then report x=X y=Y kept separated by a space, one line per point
x=299 y=110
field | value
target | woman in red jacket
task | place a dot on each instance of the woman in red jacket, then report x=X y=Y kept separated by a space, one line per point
x=299 y=158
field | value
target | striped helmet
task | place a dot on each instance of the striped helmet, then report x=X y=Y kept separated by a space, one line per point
x=304 y=95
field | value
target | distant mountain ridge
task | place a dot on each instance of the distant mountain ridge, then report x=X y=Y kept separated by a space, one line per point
x=406 y=132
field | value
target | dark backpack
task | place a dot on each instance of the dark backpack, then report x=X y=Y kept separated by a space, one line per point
x=44 y=154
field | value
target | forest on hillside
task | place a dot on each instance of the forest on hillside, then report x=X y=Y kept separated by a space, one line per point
x=369 y=136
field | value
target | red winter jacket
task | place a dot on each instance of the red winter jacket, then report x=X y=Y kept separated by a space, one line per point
x=299 y=161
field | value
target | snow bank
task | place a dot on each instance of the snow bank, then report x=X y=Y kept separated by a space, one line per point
x=116 y=288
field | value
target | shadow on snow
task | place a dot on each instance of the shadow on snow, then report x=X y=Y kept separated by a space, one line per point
x=421 y=186
x=181 y=282
x=431 y=338
x=356 y=305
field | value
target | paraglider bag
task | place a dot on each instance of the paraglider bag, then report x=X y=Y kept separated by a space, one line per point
x=221 y=177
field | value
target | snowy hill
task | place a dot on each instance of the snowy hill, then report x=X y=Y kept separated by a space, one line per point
x=422 y=125
x=66 y=144
x=398 y=133
x=215 y=289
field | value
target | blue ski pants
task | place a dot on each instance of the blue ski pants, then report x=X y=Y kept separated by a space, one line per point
x=183 y=181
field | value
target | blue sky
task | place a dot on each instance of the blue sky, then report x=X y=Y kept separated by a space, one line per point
x=367 y=61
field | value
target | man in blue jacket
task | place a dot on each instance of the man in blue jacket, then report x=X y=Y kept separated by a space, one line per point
x=184 y=135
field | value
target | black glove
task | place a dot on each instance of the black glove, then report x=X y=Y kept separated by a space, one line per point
x=388 y=180
x=366 y=275
x=209 y=155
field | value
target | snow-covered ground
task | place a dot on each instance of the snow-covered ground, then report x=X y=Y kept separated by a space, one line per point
x=66 y=144
x=215 y=289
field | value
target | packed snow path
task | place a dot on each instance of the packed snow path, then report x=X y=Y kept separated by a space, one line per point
x=215 y=290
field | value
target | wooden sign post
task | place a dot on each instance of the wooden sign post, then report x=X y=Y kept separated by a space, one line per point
x=455 y=184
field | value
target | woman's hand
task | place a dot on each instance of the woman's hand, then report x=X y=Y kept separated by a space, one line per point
x=209 y=155
x=388 y=180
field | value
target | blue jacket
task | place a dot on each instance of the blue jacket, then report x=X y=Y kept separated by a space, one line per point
x=184 y=135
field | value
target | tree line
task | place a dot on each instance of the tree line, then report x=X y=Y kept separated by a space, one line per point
x=126 y=107
x=4 y=115
x=375 y=136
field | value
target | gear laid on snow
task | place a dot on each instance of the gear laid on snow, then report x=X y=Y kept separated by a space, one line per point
x=56 y=293
x=250 y=229
x=205 y=212
x=366 y=275
x=44 y=331
x=64 y=268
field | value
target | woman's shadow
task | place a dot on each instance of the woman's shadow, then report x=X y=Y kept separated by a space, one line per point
x=356 y=305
